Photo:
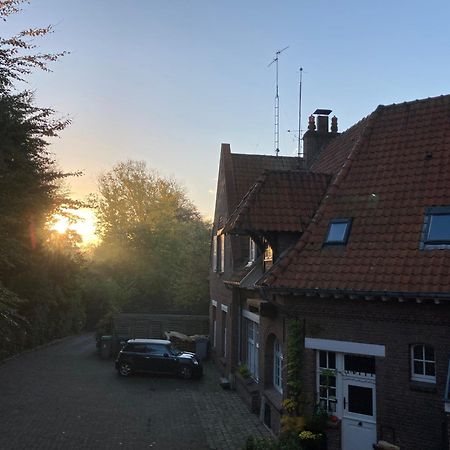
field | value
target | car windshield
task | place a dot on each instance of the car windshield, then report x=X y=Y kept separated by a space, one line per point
x=175 y=351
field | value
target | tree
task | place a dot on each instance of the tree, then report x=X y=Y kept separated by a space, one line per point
x=154 y=240
x=39 y=272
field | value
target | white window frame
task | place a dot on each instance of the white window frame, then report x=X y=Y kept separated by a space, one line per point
x=252 y=251
x=214 y=254
x=419 y=376
x=214 y=305
x=222 y=253
x=252 y=337
x=323 y=371
x=278 y=366
x=224 y=330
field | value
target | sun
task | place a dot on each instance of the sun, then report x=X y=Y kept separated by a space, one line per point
x=85 y=225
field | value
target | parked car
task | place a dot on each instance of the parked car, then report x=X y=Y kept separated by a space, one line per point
x=157 y=356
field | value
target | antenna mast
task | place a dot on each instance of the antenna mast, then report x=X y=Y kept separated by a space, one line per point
x=299 y=143
x=277 y=103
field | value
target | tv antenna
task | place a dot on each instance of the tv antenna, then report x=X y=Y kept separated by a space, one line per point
x=277 y=103
x=299 y=130
x=299 y=142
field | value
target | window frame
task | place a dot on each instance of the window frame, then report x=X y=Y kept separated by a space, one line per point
x=252 y=336
x=214 y=254
x=348 y=221
x=252 y=251
x=327 y=372
x=419 y=376
x=429 y=213
x=221 y=253
x=278 y=365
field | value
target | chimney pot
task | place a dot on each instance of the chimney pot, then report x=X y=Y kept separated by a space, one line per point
x=334 y=124
x=311 y=123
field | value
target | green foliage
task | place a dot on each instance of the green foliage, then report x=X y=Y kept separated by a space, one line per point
x=294 y=365
x=243 y=371
x=40 y=297
x=155 y=246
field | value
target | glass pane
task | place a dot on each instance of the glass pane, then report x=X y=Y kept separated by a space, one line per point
x=336 y=233
x=323 y=392
x=332 y=360
x=332 y=392
x=360 y=400
x=439 y=229
x=418 y=367
x=360 y=364
x=331 y=381
x=429 y=369
x=418 y=352
x=322 y=359
x=429 y=353
x=322 y=380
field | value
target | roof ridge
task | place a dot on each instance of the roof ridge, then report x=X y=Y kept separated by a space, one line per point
x=417 y=100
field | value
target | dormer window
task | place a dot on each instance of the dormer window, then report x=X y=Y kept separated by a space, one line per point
x=338 y=231
x=437 y=226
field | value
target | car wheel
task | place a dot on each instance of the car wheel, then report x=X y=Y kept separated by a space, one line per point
x=125 y=369
x=185 y=372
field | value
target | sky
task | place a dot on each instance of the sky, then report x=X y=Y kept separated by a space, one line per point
x=168 y=81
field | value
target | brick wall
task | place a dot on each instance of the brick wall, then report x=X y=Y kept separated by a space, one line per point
x=410 y=413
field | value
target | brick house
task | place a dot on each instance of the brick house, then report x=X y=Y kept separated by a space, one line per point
x=355 y=243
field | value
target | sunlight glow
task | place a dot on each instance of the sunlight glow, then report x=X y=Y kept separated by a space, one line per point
x=84 y=225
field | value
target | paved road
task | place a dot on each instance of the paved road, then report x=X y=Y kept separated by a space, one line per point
x=64 y=397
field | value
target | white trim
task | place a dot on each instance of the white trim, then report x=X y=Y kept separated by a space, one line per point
x=224 y=308
x=357 y=348
x=214 y=303
x=250 y=316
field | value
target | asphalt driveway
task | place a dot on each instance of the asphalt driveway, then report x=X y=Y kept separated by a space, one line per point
x=64 y=397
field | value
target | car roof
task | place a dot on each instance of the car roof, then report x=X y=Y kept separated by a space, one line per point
x=148 y=341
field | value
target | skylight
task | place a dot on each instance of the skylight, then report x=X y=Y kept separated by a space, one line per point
x=338 y=231
x=438 y=231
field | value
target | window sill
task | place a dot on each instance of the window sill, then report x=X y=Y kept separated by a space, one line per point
x=422 y=386
x=250 y=384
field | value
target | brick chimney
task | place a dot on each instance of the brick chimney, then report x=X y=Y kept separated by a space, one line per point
x=317 y=138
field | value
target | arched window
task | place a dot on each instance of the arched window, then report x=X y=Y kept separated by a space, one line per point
x=277 y=365
x=423 y=363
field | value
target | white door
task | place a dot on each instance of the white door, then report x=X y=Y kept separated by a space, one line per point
x=359 y=426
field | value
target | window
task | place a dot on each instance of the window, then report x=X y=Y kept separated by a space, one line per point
x=214 y=325
x=268 y=258
x=277 y=366
x=327 y=372
x=214 y=254
x=224 y=333
x=338 y=231
x=252 y=252
x=252 y=347
x=221 y=251
x=437 y=226
x=218 y=253
x=423 y=364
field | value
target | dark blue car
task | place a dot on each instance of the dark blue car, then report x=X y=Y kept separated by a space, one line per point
x=157 y=356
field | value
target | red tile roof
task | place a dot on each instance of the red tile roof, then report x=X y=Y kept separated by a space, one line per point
x=244 y=170
x=398 y=166
x=282 y=200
